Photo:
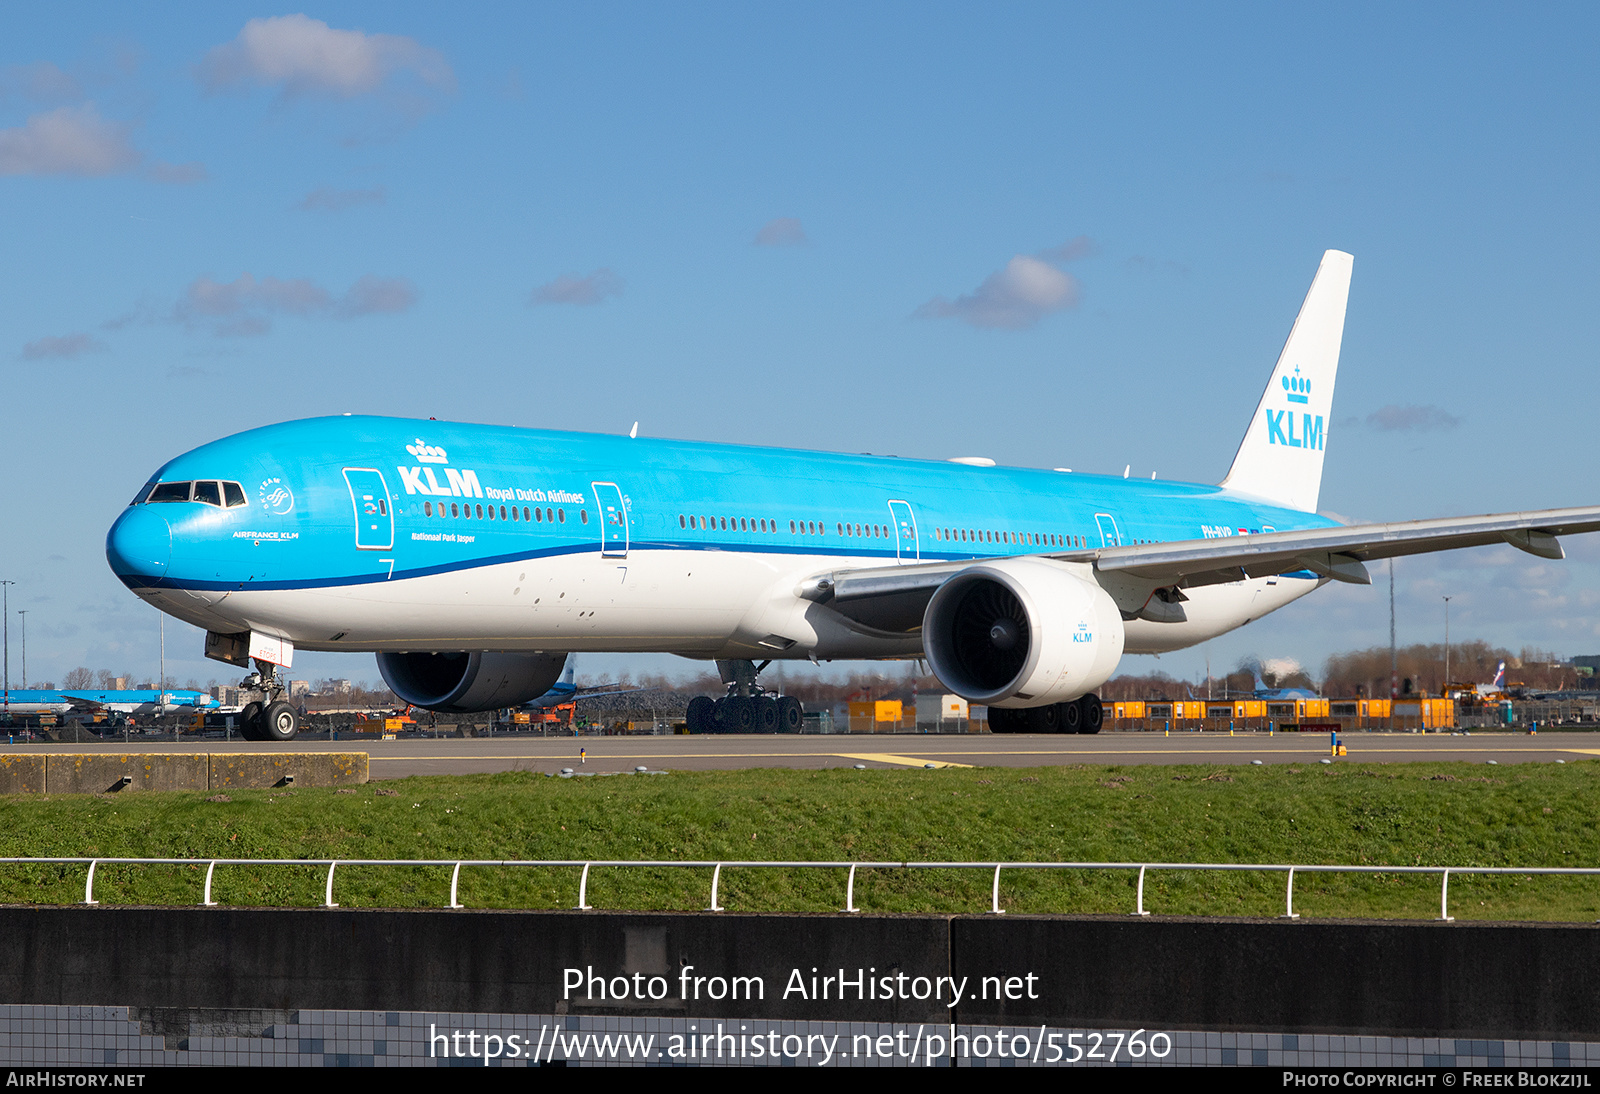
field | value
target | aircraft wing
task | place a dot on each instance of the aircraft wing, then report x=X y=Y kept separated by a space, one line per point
x=1338 y=553
x=892 y=598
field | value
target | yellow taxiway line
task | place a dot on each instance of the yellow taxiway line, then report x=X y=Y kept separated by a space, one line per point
x=887 y=758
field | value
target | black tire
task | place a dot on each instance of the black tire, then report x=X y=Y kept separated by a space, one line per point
x=1045 y=719
x=279 y=722
x=1006 y=720
x=701 y=714
x=791 y=715
x=737 y=714
x=1093 y=714
x=1071 y=717
x=766 y=714
x=250 y=722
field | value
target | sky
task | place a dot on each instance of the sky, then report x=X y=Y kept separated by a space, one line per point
x=1053 y=235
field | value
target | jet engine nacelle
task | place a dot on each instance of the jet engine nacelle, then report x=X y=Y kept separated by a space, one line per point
x=464 y=683
x=1022 y=632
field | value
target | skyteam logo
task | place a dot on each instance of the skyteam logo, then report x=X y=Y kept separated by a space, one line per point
x=421 y=480
x=1281 y=423
x=276 y=498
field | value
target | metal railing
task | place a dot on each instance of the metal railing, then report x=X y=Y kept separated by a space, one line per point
x=717 y=866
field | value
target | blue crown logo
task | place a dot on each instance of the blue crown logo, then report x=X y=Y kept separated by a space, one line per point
x=1297 y=386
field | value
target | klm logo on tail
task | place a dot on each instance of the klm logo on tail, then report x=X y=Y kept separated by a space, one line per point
x=1280 y=429
x=1280 y=423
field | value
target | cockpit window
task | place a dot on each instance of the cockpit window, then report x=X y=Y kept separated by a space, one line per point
x=169 y=491
x=206 y=491
x=144 y=492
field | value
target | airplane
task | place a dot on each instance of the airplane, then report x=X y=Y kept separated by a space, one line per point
x=566 y=690
x=472 y=559
x=123 y=701
x=1277 y=694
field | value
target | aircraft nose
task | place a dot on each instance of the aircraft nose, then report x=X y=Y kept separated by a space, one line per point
x=139 y=546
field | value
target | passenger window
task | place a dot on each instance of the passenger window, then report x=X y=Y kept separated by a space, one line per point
x=561 y=516
x=427 y=508
x=583 y=515
x=454 y=512
x=170 y=491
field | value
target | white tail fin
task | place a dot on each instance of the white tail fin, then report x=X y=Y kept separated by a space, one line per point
x=1280 y=458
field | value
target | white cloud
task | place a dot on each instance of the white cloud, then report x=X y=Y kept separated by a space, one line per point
x=41 y=81
x=70 y=140
x=1074 y=248
x=1015 y=298
x=582 y=292
x=373 y=295
x=327 y=199
x=76 y=140
x=245 y=306
x=781 y=232
x=1421 y=419
x=68 y=345
x=305 y=56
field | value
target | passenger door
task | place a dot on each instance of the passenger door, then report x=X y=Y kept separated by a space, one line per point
x=369 y=494
x=613 y=514
x=1109 y=536
x=907 y=549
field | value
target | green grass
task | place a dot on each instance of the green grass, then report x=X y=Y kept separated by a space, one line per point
x=1394 y=814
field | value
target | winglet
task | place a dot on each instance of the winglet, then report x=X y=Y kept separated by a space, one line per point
x=1280 y=458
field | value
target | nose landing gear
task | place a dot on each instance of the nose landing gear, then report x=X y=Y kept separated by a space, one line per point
x=270 y=718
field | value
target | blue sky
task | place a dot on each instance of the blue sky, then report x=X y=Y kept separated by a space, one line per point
x=1052 y=235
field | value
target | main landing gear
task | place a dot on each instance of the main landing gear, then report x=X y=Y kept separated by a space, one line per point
x=746 y=708
x=1078 y=716
x=269 y=718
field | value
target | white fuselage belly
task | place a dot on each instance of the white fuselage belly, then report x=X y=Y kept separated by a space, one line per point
x=695 y=603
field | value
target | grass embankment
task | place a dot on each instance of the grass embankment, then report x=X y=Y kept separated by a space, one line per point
x=1399 y=814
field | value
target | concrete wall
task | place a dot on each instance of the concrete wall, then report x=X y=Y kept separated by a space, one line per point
x=1460 y=980
x=103 y=772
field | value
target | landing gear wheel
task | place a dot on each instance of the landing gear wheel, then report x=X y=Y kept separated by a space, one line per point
x=1045 y=719
x=737 y=714
x=766 y=714
x=701 y=715
x=1006 y=720
x=1071 y=717
x=279 y=722
x=791 y=715
x=250 y=722
x=1093 y=714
